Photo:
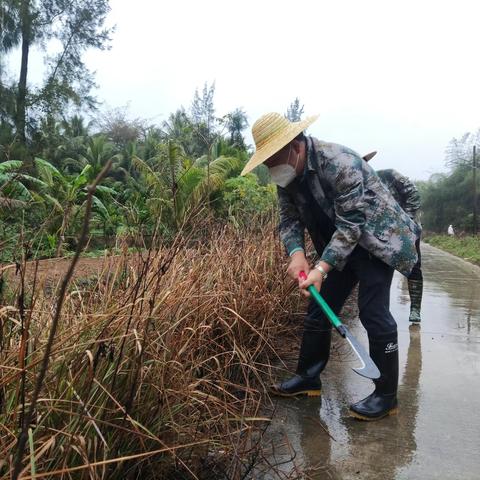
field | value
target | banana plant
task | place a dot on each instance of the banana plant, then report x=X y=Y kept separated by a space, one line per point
x=14 y=184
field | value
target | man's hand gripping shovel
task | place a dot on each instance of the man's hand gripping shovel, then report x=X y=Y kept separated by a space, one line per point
x=368 y=368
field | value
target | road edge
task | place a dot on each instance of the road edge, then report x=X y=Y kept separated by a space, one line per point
x=473 y=266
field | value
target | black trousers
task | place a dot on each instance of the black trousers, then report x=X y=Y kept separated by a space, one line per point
x=374 y=278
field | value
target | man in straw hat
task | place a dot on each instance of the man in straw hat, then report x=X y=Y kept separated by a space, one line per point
x=361 y=234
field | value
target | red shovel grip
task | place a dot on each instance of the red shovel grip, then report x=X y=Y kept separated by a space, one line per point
x=302 y=275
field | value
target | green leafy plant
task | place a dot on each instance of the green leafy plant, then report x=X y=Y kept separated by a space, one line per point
x=242 y=199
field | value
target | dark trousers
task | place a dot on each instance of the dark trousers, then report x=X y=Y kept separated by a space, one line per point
x=374 y=279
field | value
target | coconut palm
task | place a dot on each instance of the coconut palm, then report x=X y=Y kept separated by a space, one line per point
x=96 y=152
x=177 y=185
x=99 y=152
x=75 y=127
x=66 y=195
x=179 y=129
x=236 y=122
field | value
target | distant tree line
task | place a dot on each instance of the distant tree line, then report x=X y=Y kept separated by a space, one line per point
x=448 y=198
x=161 y=175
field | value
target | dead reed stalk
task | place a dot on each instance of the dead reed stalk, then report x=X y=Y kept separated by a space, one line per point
x=156 y=367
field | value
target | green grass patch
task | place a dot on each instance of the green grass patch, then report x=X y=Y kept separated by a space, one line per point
x=467 y=247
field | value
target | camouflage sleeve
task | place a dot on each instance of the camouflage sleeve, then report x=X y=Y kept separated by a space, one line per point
x=408 y=193
x=292 y=229
x=344 y=173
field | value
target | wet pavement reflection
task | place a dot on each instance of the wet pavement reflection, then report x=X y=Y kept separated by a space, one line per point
x=436 y=434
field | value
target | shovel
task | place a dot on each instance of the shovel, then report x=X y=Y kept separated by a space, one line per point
x=368 y=368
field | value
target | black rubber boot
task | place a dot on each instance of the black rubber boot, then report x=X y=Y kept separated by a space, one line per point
x=383 y=401
x=415 y=289
x=313 y=358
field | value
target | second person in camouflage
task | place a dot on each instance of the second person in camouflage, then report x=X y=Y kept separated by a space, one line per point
x=406 y=194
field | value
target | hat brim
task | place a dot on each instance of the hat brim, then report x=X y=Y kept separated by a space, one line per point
x=277 y=143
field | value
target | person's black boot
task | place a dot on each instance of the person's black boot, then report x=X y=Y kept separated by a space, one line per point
x=383 y=401
x=415 y=289
x=313 y=357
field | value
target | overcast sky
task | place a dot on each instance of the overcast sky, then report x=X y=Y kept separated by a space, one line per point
x=398 y=77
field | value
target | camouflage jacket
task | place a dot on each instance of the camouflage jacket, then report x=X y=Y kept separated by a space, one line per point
x=402 y=190
x=360 y=206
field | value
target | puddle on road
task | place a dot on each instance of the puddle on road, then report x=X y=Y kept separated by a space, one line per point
x=436 y=434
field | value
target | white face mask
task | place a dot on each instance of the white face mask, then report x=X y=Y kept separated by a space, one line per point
x=284 y=174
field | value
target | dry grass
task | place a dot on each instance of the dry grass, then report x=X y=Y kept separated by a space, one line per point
x=157 y=367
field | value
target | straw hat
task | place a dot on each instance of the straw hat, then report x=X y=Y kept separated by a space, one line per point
x=271 y=133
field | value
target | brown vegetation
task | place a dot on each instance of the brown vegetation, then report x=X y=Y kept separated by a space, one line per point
x=158 y=364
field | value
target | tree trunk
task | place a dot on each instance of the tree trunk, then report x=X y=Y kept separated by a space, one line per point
x=58 y=252
x=63 y=229
x=20 y=119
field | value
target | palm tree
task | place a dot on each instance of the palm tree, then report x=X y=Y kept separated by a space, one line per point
x=178 y=186
x=236 y=122
x=74 y=127
x=179 y=129
x=99 y=152
x=96 y=152
x=14 y=191
x=67 y=196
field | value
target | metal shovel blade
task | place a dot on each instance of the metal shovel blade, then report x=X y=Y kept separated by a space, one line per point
x=368 y=368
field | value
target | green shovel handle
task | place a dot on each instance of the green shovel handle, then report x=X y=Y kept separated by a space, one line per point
x=334 y=320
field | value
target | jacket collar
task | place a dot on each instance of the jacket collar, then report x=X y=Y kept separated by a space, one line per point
x=311 y=175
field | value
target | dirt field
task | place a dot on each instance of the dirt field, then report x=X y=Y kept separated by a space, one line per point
x=51 y=271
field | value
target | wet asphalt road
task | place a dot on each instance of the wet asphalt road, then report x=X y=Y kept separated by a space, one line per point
x=436 y=434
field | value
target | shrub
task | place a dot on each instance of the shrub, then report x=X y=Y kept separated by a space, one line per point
x=243 y=198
